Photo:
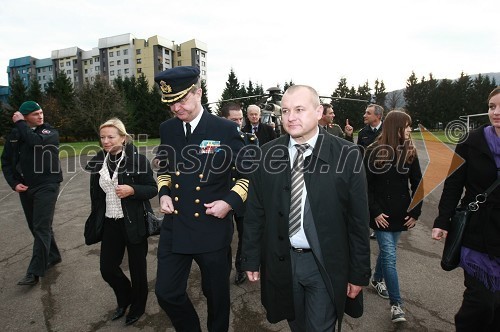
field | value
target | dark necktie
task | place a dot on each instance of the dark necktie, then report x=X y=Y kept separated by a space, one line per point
x=374 y=130
x=297 y=188
x=188 y=131
x=255 y=129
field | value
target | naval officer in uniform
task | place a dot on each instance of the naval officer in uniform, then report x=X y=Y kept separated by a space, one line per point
x=195 y=160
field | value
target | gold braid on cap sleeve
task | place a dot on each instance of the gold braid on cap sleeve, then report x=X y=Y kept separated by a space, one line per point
x=241 y=188
x=164 y=180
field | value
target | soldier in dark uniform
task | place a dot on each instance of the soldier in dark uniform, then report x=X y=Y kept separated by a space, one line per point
x=195 y=159
x=30 y=163
x=232 y=111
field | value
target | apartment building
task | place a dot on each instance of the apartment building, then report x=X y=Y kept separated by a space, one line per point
x=115 y=56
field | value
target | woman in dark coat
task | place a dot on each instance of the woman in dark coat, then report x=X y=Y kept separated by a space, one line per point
x=480 y=253
x=393 y=174
x=121 y=184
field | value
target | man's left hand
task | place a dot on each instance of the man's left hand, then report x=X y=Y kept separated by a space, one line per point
x=218 y=209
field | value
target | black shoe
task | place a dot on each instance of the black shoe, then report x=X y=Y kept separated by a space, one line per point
x=131 y=320
x=119 y=312
x=29 y=280
x=240 y=278
x=52 y=264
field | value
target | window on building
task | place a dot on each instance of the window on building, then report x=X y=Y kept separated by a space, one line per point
x=119 y=72
x=167 y=61
x=91 y=61
x=43 y=77
x=24 y=71
x=50 y=68
x=126 y=71
x=203 y=64
x=125 y=52
x=202 y=54
x=38 y=70
x=178 y=53
x=139 y=70
x=112 y=73
x=138 y=51
x=179 y=63
x=92 y=79
x=167 y=52
x=139 y=61
x=96 y=59
x=203 y=72
x=117 y=53
x=75 y=62
x=61 y=64
x=85 y=62
x=110 y=54
x=39 y=78
x=111 y=63
x=125 y=61
x=119 y=62
x=96 y=68
x=68 y=63
x=43 y=69
x=86 y=71
x=68 y=72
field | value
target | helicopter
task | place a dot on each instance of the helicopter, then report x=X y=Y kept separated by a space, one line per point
x=270 y=105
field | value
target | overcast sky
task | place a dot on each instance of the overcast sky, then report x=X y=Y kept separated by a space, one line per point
x=271 y=42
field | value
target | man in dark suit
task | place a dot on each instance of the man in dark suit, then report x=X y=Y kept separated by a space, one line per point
x=195 y=160
x=306 y=225
x=367 y=135
x=232 y=111
x=265 y=133
x=373 y=121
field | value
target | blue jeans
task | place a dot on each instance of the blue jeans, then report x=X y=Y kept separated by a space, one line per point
x=386 y=264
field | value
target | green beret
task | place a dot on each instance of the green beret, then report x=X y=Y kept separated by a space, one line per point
x=29 y=106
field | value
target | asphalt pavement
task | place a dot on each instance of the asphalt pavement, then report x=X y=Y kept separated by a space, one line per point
x=74 y=297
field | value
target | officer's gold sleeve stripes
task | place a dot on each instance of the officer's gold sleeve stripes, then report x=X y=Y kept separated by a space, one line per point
x=164 y=180
x=241 y=188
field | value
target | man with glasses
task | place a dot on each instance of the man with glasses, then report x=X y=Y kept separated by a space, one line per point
x=197 y=154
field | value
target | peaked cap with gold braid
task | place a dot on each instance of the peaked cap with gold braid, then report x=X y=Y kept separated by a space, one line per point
x=176 y=82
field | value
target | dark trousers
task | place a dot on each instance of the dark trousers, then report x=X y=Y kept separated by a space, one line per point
x=171 y=284
x=480 y=310
x=132 y=292
x=39 y=204
x=314 y=308
x=238 y=220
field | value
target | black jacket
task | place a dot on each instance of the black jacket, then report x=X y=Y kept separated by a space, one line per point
x=390 y=192
x=265 y=133
x=339 y=207
x=31 y=157
x=136 y=172
x=477 y=174
x=367 y=136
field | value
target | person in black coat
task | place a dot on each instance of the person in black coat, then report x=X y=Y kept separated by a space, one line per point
x=265 y=133
x=196 y=158
x=373 y=120
x=31 y=167
x=480 y=252
x=307 y=273
x=393 y=174
x=232 y=111
x=121 y=184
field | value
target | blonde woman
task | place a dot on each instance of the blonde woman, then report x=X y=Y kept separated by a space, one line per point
x=121 y=184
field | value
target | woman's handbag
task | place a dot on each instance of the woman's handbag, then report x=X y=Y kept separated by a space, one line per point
x=153 y=223
x=453 y=242
x=93 y=229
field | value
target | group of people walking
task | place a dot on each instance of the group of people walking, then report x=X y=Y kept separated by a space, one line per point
x=303 y=207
